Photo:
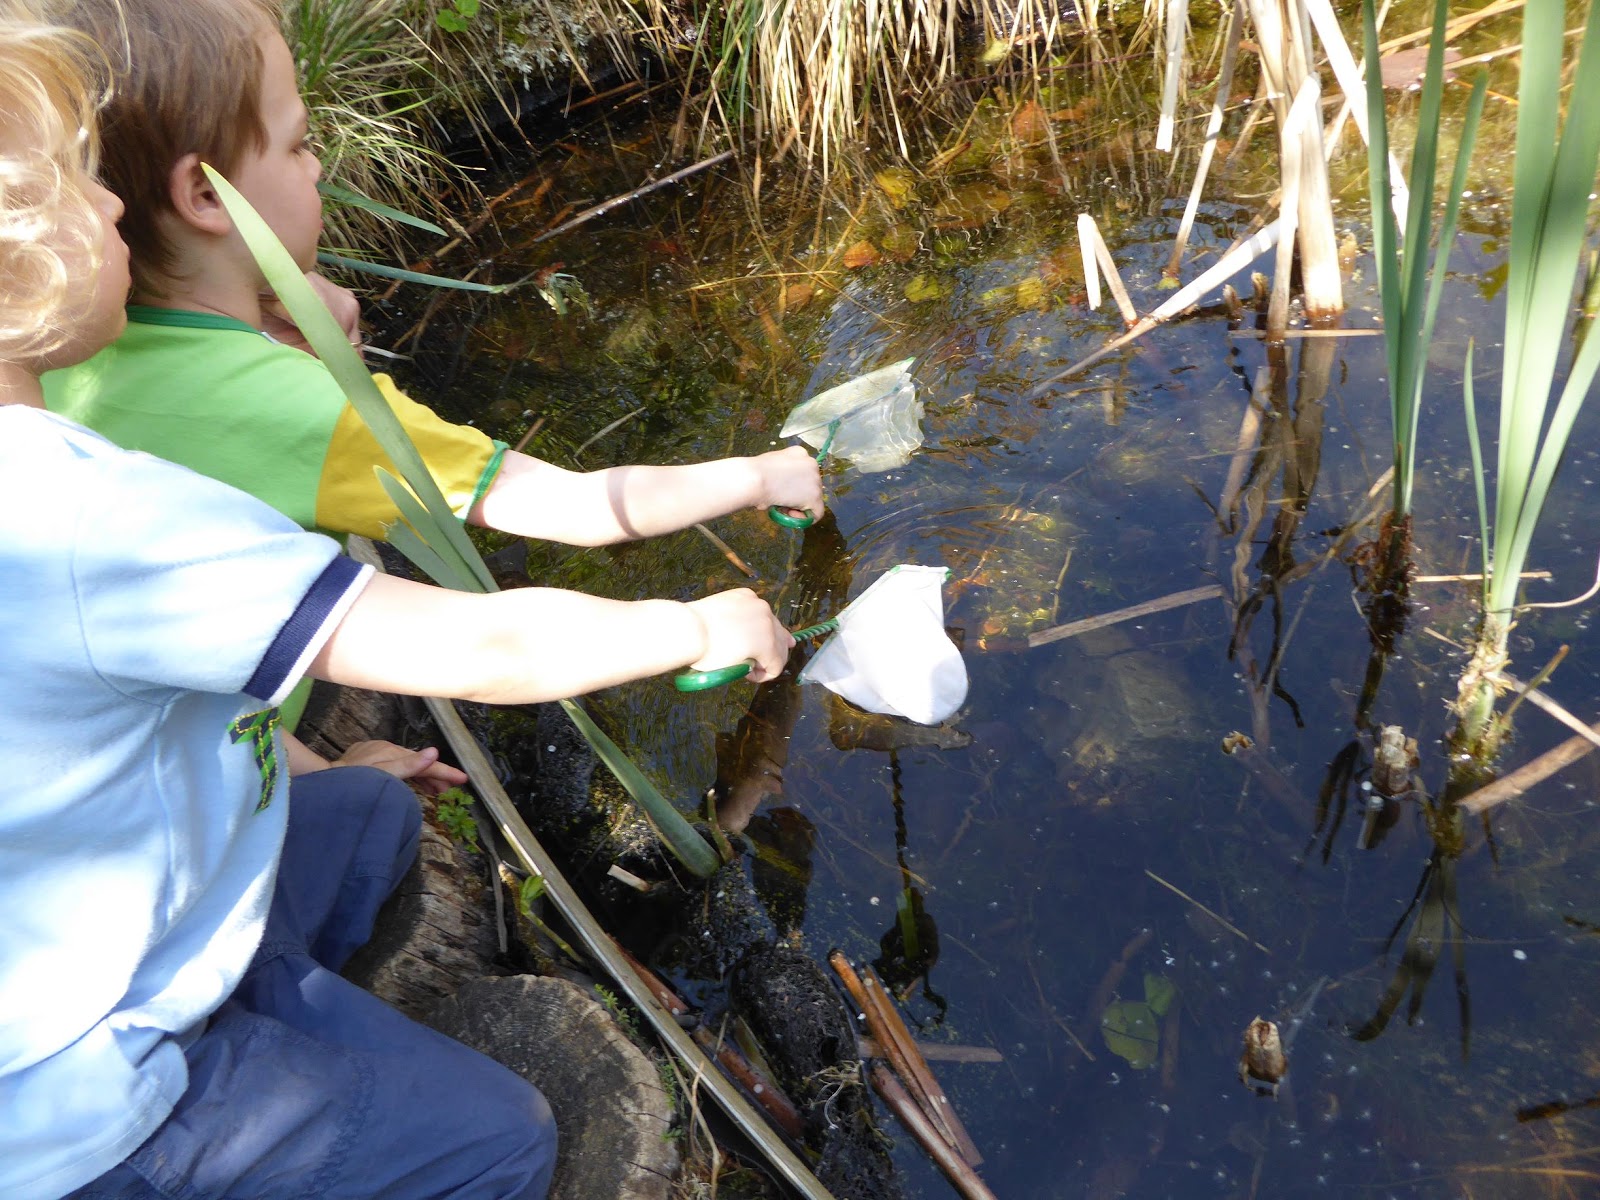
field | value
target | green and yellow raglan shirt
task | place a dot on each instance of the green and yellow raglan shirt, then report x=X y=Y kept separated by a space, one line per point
x=217 y=396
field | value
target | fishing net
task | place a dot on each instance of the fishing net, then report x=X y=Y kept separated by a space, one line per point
x=878 y=415
x=891 y=654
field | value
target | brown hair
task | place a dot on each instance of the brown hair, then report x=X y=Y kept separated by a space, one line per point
x=51 y=81
x=188 y=81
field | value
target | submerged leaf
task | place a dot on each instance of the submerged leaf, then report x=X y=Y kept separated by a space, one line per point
x=898 y=184
x=1030 y=123
x=862 y=254
x=1159 y=993
x=1131 y=1030
x=926 y=287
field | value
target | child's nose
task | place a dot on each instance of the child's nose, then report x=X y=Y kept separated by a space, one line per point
x=108 y=202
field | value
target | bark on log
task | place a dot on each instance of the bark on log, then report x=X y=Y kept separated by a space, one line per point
x=612 y=1114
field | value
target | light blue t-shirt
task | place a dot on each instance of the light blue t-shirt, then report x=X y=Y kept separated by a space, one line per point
x=150 y=621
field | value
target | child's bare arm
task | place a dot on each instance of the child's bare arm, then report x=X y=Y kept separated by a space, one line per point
x=536 y=644
x=597 y=508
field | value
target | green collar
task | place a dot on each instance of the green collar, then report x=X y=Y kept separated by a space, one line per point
x=182 y=318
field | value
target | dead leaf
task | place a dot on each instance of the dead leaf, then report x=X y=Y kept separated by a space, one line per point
x=901 y=243
x=797 y=295
x=971 y=206
x=862 y=254
x=1404 y=69
x=1030 y=123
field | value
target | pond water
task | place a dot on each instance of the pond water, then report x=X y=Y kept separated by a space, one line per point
x=1077 y=834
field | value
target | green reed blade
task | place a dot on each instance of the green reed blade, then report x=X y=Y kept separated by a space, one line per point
x=334 y=349
x=691 y=849
x=1556 y=165
x=1469 y=401
x=384 y=271
x=413 y=529
x=354 y=199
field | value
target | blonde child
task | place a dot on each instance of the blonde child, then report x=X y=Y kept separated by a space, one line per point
x=171 y=1017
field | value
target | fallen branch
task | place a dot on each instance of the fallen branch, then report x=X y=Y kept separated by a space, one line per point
x=964 y=1178
x=589 y=214
x=893 y=1042
x=1043 y=637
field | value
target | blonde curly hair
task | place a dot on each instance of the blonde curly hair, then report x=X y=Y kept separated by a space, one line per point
x=52 y=81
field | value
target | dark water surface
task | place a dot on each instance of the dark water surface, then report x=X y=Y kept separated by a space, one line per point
x=1084 y=785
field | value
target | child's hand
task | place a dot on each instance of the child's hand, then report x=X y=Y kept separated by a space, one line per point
x=790 y=479
x=740 y=625
x=421 y=767
x=341 y=302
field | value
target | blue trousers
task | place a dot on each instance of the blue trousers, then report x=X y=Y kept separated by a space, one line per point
x=304 y=1085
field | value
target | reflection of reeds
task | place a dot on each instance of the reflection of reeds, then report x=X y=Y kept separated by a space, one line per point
x=1437 y=927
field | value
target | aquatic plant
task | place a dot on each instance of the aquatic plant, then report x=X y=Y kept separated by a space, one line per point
x=1408 y=285
x=1552 y=181
x=429 y=533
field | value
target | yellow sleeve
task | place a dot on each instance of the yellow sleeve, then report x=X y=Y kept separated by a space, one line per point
x=350 y=499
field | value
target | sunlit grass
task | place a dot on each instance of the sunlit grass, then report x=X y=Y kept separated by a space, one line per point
x=374 y=90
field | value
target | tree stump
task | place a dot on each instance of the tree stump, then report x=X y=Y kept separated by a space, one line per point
x=612 y=1113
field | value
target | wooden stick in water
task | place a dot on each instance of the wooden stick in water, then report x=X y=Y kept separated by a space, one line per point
x=921 y=1073
x=937 y=1052
x=887 y=1042
x=956 y=1169
x=1043 y=637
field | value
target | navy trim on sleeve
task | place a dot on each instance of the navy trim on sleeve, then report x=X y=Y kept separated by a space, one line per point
x=306 y=628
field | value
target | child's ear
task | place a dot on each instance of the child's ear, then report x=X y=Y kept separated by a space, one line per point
x=194 y=199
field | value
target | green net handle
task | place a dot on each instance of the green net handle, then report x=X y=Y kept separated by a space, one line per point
x=806 y=519
x=783 y=517
x=700 y=681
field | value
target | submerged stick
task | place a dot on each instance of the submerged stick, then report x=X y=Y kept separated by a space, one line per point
x=886 y=1039
x=1213 y=914
x=589 y=214
x=1536 y=771
x=938 y=1052
x=1043 y=637
x=727 y=551
x=920 y=1071
x=964 y=1178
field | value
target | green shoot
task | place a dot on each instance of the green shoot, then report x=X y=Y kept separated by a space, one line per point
x=454 y=813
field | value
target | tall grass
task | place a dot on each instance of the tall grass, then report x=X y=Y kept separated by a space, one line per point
x=1408 y=284
x=376 y=89
x=1552 y=181
x=819 y=75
